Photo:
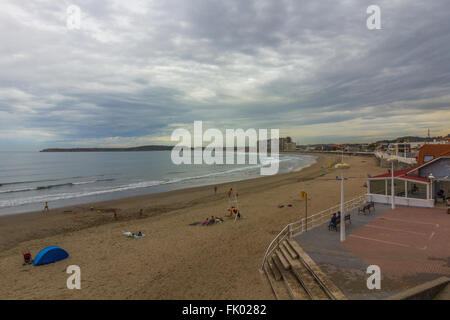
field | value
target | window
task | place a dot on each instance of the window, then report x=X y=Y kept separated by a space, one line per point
x=417 y=190
x=377 y=186
x=399 y=187
x=427 y=158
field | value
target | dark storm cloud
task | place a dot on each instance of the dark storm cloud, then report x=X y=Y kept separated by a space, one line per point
x=137 y=70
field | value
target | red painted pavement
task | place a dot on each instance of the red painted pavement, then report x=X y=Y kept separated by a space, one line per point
x=405 y=241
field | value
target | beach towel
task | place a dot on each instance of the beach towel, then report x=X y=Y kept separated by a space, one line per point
x=136 y=236
x=130 y=234
x=195 y=223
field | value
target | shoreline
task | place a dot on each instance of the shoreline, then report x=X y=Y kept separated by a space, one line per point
x=127 y=213
x=175 y=260
x=119 y=195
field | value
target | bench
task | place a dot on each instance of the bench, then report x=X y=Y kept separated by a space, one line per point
x=366 y=207
x=338 y=222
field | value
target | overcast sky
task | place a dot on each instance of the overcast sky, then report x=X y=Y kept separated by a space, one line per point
x=137 y=70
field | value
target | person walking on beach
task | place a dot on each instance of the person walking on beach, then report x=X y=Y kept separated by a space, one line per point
x=46 y=207
x=230 y=192
x=115 y=215
x=215 y=190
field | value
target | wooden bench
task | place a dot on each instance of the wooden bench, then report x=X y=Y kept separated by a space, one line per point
x=366 y=207
x=338 y=222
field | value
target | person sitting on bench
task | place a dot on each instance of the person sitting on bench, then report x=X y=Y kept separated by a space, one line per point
x=332 y=224
x=441 y=194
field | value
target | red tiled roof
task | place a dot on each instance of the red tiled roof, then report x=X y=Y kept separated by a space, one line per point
x=402 y=174
x=435 y=150
x=396 y=173
x=415 y=178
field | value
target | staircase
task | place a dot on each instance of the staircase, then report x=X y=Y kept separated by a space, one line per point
x=292 y=274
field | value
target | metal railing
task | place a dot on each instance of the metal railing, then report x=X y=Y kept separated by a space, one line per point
x=300 y=226
x=410 y=157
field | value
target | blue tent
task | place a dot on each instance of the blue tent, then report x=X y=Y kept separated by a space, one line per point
x=50 y=255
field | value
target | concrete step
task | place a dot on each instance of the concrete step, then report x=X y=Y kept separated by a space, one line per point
x=278 y=287
x=276 y=273
x=282 y=259
x=325 y=282
x=444 y=294
x=285 y=253
x=307 y=280
x=293 y=254
x=293 y=286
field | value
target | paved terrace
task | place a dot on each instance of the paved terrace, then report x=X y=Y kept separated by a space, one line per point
x=410 y=245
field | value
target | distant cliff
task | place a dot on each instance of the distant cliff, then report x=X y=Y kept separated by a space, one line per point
x=142 y=148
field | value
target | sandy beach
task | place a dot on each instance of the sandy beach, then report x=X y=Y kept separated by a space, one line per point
x=175 y=260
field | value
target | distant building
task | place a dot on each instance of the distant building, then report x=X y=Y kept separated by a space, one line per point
x=381 y=146
x=286 y=144
x=352 y=147
x=404 y=148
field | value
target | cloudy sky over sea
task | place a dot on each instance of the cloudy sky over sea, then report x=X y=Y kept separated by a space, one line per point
x=136 y=70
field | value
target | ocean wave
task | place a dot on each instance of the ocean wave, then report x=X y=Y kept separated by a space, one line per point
x=17 y=190
x=43 y=180
x=64 y=196
x=54 y=186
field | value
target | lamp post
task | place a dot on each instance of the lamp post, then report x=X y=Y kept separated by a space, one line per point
x=304 y=195
x=392 y=183
x=342 y=166
x=431 y=177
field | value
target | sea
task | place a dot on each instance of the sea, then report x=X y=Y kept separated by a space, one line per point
x=29 y=179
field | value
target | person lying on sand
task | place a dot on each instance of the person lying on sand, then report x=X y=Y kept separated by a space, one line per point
x=219 y=220
x=212 y=220
x=205 y=223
